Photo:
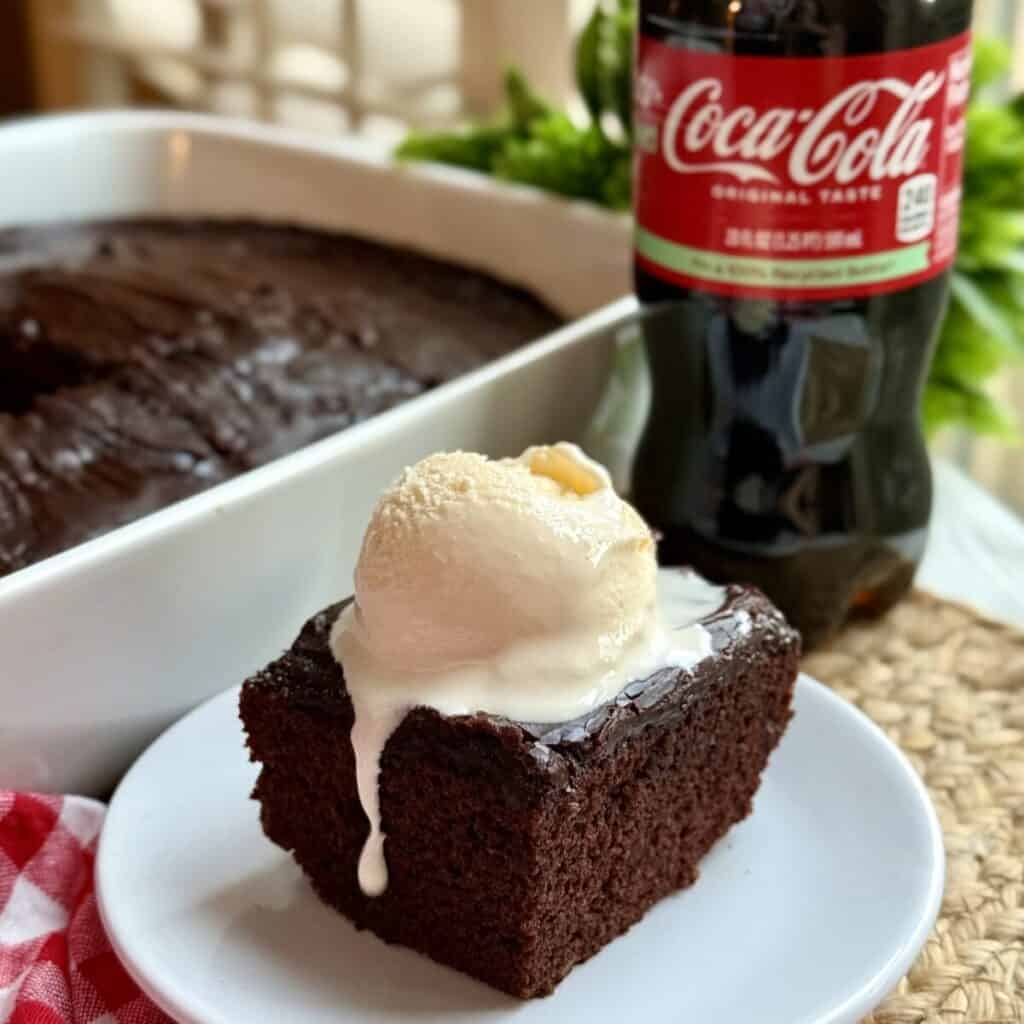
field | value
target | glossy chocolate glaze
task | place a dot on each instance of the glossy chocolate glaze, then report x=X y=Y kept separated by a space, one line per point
x=745 y=629
x=141 y=362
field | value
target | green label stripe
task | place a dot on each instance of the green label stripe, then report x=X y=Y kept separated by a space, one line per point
x=783 y=273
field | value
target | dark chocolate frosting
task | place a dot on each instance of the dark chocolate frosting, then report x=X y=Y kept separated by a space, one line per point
x=141 y=362
x=746 y=627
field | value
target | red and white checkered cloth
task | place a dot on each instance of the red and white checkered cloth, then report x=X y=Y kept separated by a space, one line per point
x=56 y=965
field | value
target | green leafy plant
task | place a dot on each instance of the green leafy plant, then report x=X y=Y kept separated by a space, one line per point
x=534 y=144
x=985 y=323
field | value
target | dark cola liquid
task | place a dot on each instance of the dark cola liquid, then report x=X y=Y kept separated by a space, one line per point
x=783 y=446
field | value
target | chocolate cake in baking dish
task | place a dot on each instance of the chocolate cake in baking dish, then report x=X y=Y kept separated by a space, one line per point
x=141 y=362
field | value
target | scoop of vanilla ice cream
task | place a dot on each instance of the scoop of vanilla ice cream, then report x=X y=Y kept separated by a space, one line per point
x=467 y=557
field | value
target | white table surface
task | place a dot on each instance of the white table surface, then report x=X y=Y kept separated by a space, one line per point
x=976 y=549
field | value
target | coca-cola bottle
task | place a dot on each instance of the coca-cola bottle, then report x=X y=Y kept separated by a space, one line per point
x=798 y=187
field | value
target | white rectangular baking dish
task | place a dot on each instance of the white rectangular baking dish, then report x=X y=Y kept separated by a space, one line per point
x=103 y=645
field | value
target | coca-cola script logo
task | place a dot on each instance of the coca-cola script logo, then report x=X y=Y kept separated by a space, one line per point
x=842 y=141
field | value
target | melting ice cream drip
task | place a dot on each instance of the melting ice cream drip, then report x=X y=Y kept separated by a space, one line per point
x=474 y=572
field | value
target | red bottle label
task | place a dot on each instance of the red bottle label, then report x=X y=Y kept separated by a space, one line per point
x=799 y=178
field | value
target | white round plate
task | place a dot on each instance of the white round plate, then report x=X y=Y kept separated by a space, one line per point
x=808 y=912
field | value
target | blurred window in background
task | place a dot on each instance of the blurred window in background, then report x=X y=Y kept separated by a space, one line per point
x=377 y=66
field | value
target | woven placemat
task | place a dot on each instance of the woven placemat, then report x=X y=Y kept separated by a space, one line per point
x=948 y=687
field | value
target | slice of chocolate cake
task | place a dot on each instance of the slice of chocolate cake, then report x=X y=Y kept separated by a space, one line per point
x=519 y=735
x=517 y=851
